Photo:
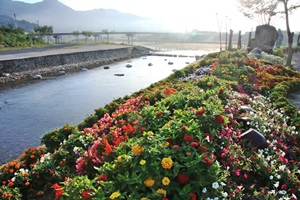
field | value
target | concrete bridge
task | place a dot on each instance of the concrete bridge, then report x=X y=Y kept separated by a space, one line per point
x=96 y=35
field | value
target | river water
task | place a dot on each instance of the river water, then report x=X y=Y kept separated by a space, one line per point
x=30 y=110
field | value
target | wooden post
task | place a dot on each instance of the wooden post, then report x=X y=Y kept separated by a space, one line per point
x=230 y=40
x=239 y=46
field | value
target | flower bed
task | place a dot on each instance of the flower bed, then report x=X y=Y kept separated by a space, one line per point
x=180 y=138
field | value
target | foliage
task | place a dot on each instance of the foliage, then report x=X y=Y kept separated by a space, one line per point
x=15 y=37
x=176 y=140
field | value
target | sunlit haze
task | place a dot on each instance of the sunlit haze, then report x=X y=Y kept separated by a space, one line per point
x=181 y=16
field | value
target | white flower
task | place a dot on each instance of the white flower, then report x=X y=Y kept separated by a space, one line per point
x=224 y=194
x=215 y=185
x=282 y=192
x=271 y=177
x=276 y=184
x=204 y=190
x=278 y=176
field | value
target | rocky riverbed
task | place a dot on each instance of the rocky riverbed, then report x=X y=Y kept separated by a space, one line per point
x=38 y=66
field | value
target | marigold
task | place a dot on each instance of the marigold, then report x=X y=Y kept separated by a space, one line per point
x=162 y=191
x=137 y=149
x=114 y=195
x=149 y=182
x=167 y=163
x=165 y=181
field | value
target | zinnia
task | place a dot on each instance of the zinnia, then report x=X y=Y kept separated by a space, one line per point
x=114 y=195
x=187 y=137
x=137 y=150
x=183 y=178
x=149 y=182
x=162 y=191
x=165 y=181
x=167 y=163
x=219 y=119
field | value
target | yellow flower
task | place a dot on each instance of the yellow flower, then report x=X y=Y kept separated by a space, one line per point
x=165 y=181
x=114 y=195
x=209 y=83
x=149 y=182
x=162 y=191
x=167 y=144
x=137 y=149
x=144 y=198
x=167 y=163
x=120 y=159
x=150 y=133
x=142 y=162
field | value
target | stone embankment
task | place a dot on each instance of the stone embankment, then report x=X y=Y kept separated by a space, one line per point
x=14 y=70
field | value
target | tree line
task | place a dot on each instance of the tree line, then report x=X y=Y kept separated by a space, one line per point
x=16 y=37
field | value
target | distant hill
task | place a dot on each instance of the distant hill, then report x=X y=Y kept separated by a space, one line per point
x=25 y=25
x=64 y=19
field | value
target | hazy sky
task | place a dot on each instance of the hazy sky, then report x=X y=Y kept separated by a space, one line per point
x=183 y=15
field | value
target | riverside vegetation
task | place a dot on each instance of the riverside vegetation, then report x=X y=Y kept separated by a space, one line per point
x=180 y=138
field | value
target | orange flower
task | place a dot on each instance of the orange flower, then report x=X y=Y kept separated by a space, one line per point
x=32 y=156
x=27 y=183
x=10 y=184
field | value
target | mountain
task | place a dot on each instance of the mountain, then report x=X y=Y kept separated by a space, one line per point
x=65 y=19
x=6 y=21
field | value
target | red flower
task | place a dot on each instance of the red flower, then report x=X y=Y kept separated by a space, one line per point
x=175 y=147
x=219 y=119
x=207 y=160
x=284 y=187
x=193 y=196
x=170 y=140
x=58 y=191
x=221 y=91
x=102 y=177
x=182 y=128
x=165 y=198
x=203 y=148
x=159 y=113
x=183 y=178
x=200 y=112
x=187 y=137
x=208 y=137
x=194 y=144
x=86 y=194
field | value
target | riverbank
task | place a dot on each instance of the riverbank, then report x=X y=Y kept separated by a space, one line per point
x=29 y=64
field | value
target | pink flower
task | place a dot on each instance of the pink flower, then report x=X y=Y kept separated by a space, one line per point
x=238 y=172
x=245 y=176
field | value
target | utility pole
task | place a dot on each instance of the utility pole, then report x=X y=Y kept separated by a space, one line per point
x=220 y=29
x=226 y=33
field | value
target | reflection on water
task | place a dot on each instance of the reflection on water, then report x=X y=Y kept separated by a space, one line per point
x=29 y=111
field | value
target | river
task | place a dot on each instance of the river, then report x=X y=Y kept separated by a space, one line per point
x=30 y=110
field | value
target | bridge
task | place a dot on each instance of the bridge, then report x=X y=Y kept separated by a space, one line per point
x=129 y=34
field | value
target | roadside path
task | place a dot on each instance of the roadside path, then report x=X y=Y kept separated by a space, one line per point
x=55 y=50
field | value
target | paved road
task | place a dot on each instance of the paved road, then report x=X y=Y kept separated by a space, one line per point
x=54 y=50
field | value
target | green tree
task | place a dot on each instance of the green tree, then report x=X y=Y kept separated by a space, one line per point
x=43 y=30
x=76 y=34
x=87 y=34
x=267 y=9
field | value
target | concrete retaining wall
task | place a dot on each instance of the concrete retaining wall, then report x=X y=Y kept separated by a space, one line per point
x=27 y=68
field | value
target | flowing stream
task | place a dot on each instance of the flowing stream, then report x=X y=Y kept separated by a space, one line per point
x=30 y=110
